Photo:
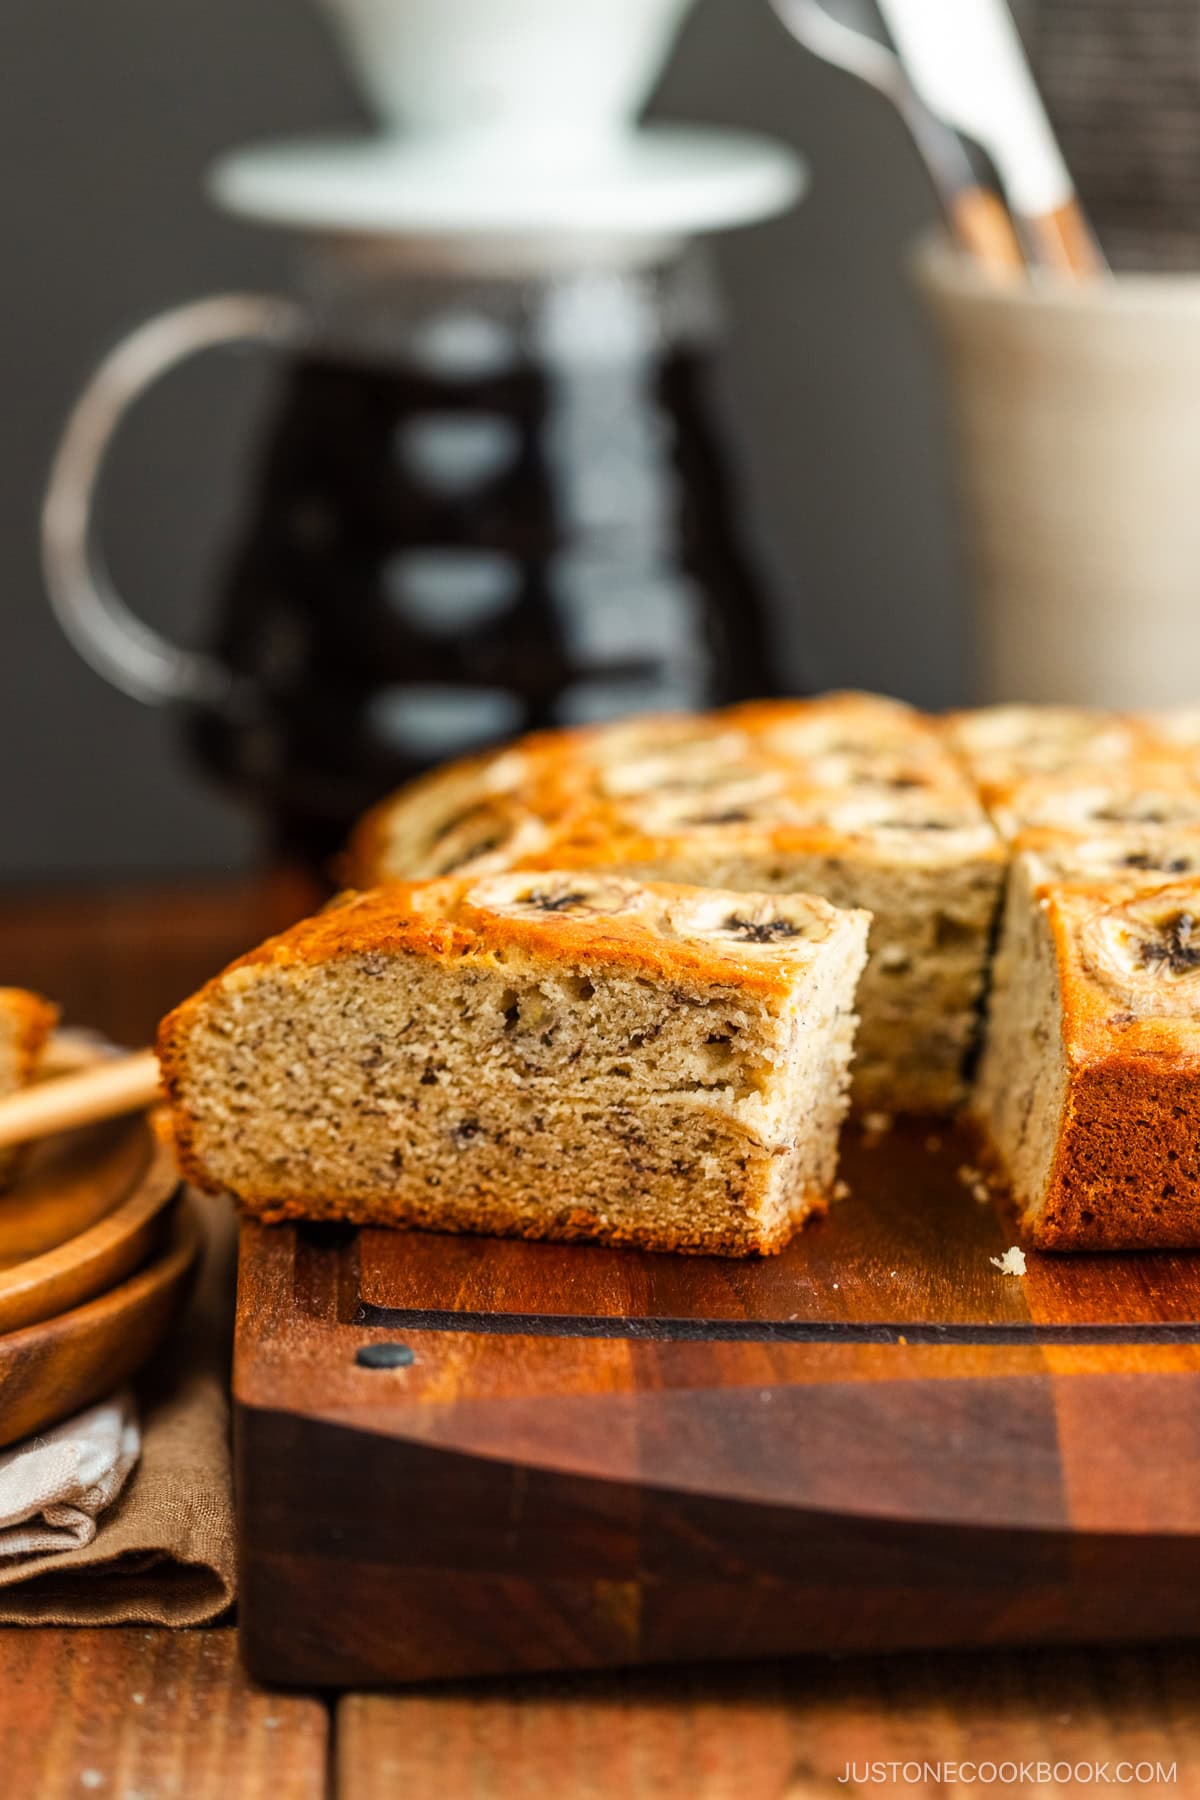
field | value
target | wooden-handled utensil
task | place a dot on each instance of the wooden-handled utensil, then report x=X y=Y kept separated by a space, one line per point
x=966 y=61
x=100 y=1090
x=956 y=72
x=846 y=34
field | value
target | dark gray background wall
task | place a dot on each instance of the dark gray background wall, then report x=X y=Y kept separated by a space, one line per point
x=109 y=115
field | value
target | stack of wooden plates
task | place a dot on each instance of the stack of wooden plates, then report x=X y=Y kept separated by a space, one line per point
x=98 y=1247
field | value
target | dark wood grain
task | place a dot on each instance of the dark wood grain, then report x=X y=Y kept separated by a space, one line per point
x=782 y=1731
x=909 y=1251
x=156 y=1715
x=532 y=1500
x=200 y=1729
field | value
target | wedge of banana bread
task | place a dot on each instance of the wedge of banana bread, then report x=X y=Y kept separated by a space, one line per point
x=26 y=1021
x=999 y=746
x=552 y=1055
x=1089 y=1085
x=851 y=797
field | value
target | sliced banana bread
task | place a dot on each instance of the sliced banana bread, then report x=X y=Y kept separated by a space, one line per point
x=1002 y=745
x=851 y=797
x=552 y=1055
x=1089 y=1086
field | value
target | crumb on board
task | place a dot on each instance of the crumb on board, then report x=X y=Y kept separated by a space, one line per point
x=841 y=1190
x=877 y=1124
x=1011 y=1263
x=977 y=1181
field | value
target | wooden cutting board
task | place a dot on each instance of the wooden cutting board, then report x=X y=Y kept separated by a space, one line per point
x=461 y=1456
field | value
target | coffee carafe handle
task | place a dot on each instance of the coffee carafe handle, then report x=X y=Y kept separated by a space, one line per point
x=118 y=645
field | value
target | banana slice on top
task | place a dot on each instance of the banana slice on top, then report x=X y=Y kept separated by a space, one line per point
x=1147 y=951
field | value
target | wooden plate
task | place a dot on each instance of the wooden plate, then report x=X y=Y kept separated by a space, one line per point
x=50 y=1370
x=103 y=1254
x=69 y=1182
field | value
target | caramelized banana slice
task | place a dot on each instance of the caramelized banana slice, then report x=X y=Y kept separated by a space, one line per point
x=1147 y=952
x=579 y=895
x=1005 y=741
x=493 y=834
x=1096 y=807
x=1136 y=857
x=732 y=803
x=763 y=922
x=691 y=766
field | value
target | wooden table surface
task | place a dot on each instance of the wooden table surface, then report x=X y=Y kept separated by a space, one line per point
x=151 y=1715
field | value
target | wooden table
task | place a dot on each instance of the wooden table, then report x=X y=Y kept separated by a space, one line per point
x=147 y=1715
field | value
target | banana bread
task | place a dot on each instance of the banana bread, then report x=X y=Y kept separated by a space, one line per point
x=26 y=1021
x=1089 y=1085
x=1000 y=746
x=850 y=797
x=550 y=1055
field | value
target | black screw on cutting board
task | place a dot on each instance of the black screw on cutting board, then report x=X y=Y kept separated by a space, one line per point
x=384 y=1356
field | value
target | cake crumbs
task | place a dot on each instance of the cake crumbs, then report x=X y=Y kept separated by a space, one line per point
x=841 y=1190
x=877 y=1124
x=976 y=1181
x=1011 y=1263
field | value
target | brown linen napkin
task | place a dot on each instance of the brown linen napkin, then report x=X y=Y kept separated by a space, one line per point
x=164 y=1552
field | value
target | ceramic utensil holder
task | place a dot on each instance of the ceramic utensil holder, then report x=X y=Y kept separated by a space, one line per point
x=1075 y=419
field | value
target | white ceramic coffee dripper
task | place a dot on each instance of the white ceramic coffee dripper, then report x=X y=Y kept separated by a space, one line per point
x=516 y=80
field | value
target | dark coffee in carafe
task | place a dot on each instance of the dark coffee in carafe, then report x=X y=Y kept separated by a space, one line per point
x=484 y=506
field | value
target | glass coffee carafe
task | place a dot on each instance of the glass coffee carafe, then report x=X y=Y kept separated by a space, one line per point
x=489 y=496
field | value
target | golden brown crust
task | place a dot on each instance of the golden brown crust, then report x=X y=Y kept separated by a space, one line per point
x=696 y=948
x=552 y=913
x=1126 y=1172
x=1000 y=747
x=1125 y=1168
x=494 y=1217
x=845 y=774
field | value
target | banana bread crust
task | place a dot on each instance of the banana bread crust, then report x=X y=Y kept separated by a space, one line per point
x=748 y=977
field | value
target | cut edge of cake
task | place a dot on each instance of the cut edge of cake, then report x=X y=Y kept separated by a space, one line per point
x=545 y=1055
x=1088 y=1091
